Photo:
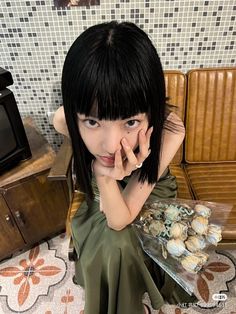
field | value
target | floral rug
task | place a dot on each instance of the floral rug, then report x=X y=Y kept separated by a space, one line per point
x=39 y=281
x=215 y=287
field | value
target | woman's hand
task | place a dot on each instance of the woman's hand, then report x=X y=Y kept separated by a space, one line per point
x=125 y=166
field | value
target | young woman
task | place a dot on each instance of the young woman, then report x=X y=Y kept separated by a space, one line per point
x=123 y=137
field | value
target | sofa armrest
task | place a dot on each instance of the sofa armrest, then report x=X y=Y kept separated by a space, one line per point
x=61 y=166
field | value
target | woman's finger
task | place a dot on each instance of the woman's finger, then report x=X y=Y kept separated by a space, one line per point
x=144 y=144
x=131 y=160
x=118 y=163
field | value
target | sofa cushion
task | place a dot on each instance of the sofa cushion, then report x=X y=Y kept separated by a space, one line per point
x=182 y=182
x=77 y=199
x=211 y=115
x=216 y=183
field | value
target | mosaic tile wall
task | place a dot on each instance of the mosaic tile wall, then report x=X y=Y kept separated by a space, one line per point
x=35 y=36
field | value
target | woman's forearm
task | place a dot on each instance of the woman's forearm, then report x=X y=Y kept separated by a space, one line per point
x=117 y=212
x=171 y=144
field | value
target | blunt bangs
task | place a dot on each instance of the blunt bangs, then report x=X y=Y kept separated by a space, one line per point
x=109 y=88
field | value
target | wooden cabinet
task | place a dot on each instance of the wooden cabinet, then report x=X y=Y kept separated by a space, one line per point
x=31 y=206
x=10 y=236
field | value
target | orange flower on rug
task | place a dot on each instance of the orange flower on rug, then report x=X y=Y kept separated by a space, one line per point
x=33 y=272
x=66 y=299
x=202 y=284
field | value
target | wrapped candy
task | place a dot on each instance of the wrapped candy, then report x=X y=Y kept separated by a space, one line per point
x=172 y=213
x=175 y=247
x=200 y=225
x=202 y=210
x=156 y=227
x=194 y=262
x=179 y=230
x=177 y=233
x=195 y=243
x=214 y=234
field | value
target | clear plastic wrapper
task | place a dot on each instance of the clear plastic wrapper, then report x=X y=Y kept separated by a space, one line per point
x=177 y=235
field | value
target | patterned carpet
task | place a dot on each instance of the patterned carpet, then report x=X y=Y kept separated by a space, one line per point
x=218 y=279
x=39 y=281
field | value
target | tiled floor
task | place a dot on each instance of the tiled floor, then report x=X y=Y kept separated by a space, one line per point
x=39 y=281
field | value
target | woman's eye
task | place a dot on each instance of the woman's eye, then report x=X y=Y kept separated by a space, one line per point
x=132 y=123
x=91 y=123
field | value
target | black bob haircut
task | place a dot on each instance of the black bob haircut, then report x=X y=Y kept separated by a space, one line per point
x=115 y=68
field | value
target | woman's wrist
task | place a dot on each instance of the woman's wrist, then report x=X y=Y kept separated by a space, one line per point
x=103 y=179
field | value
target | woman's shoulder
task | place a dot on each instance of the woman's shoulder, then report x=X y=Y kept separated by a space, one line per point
x=173 y=122
x=59 y=121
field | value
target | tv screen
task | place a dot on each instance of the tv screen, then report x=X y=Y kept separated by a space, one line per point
x=14 y=146
x=7 y=139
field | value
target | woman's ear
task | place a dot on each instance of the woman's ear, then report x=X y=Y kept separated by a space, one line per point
x=59 y=121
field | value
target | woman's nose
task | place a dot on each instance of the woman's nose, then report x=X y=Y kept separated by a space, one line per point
x=112 y=141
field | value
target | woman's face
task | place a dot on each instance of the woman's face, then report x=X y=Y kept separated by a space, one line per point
x=103 y=137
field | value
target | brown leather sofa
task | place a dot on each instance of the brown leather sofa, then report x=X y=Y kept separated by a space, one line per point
x=205 y=165
x=207 y=170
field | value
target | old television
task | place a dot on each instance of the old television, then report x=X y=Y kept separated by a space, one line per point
x=14 y=146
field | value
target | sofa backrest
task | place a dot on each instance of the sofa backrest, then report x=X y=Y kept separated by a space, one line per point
x=211 y=115
x=176 y=92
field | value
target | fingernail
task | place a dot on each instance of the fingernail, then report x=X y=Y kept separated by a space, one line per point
x=142 y=132
x=124 y=142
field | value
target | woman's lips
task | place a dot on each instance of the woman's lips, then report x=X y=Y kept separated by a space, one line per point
x=108 y=160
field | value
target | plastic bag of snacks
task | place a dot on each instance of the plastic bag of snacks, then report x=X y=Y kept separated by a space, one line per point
x=177 y=234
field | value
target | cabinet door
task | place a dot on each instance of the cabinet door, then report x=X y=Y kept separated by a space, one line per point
x=10 y=237
x=39 y=207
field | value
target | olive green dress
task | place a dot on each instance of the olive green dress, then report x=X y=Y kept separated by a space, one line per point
x=113 y=268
